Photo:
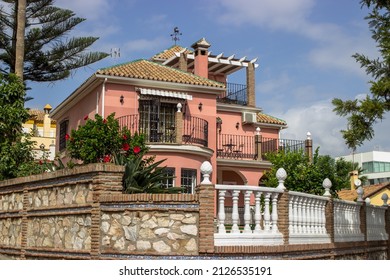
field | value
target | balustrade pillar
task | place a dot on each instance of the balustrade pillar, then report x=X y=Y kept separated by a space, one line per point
x=267 y=215
x=247 y=213
x=221 y=212
x=235 y=216
x=257 y=212
x=275 y=212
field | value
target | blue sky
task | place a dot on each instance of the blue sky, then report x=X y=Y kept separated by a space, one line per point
x=304 y=50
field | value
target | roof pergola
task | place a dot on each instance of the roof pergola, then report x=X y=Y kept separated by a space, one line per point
x=217 y=64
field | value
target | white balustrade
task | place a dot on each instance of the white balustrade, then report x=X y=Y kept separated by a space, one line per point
x=307 y=218
x=346 y=217
x=376 y=226
x=264 y=229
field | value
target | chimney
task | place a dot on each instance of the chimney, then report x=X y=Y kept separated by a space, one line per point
x=46 y=121
x=201 y=53
x=183 y=66
x=353 y=175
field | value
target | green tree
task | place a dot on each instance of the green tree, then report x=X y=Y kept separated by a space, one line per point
x=49 y=54
x=303 y=176
x=363 y=114
x=15 y=146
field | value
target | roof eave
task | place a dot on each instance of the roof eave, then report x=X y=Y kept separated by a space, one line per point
x=75 y=96
x=162 y=84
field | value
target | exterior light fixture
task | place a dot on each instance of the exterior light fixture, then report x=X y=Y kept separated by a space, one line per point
x=200 y=106
x=122 y=99
x=42 y=146
x=237 y=125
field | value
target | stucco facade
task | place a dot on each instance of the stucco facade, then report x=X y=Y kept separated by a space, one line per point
x=181 y=101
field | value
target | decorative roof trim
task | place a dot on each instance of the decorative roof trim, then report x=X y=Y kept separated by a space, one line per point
x=165 y=93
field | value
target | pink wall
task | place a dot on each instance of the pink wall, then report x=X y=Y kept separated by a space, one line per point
x=180 y=161
x=112 y=100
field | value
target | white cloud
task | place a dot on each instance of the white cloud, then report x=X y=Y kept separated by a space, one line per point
x=321 y=122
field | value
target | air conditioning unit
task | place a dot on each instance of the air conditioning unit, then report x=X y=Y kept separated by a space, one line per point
x=248 y=117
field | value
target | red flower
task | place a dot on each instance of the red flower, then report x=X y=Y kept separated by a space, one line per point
x=67 y=136
x=136 y=150
x=40 y=162
x=106 y=158
x=124 y=137
x=125 y=147
x=104 y=121
x=86 y=117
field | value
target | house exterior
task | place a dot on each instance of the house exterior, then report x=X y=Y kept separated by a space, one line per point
x=375 y=193
x=43 y=129
x=182 y=101
x=375 y=165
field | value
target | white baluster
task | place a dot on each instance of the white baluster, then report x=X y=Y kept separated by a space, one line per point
x=257 y=212
x=310 y=218
x=221 y=212
x=247 y=213
x=295 y=211
x=299 y=216
x=235 y=216
x=304 y=214
x=323 y=218
x=267 y=216
x=291 y=215
x=275 y=212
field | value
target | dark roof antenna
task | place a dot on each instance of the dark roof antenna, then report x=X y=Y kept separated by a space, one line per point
x=175 y=35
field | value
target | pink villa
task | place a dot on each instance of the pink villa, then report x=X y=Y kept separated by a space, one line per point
x=181 y=100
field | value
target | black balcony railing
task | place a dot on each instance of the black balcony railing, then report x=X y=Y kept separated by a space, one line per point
x=236 y=146
x=235 y=94
x=231 y=146
x=195 y=131
x=272 y=145
x=129 y=121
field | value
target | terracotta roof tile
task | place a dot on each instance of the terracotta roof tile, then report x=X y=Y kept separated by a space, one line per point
x=168 y=53
x=148 y=70
x=368 y=191
x=264 y=118
x=38 y=115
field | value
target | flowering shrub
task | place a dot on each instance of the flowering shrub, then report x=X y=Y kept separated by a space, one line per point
x=100 y=140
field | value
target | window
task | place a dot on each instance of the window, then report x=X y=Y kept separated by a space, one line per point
x=157 y=120
x=375 y=167
x=63 y=132
x=169 y=182
x=188 y=180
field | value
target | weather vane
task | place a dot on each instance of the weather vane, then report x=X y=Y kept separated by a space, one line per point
x=175 y=35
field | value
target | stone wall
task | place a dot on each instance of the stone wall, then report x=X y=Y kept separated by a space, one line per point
x=82 y=214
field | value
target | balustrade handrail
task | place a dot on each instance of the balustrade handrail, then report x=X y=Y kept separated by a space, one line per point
x=247 y=188
x=336 y=200
x=308 y=195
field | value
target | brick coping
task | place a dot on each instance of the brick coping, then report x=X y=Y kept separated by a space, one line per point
x=66 y=172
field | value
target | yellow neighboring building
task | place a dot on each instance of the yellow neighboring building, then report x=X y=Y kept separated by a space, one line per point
x=373 y=192
x=43 y=129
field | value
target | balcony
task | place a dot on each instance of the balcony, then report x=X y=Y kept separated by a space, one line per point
x=241 y=147
x=235 y=94
x=192 y=130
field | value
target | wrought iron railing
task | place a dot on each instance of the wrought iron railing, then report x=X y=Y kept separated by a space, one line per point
x=129 y=121
x=235 y=94
x=195 y=131
x=230 y=146
x=272 y=144
x=236 y=146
